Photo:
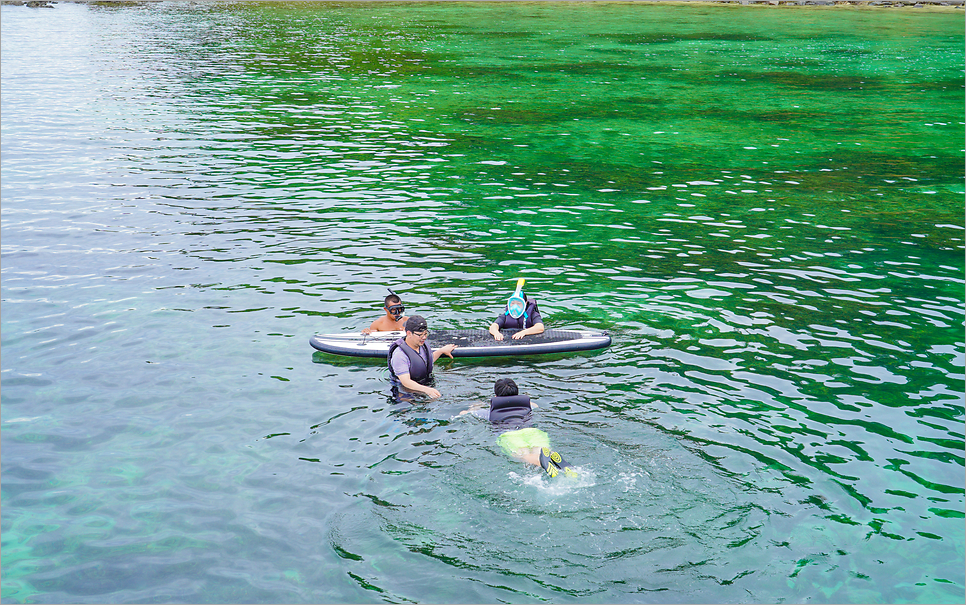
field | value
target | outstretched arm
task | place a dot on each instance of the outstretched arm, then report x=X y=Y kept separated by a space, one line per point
x=373 y=327
x=534 y=329
x=474 y=407
x=412 y=385
x=445 y=350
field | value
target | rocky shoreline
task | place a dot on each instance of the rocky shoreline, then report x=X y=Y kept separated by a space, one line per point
x=954 y=4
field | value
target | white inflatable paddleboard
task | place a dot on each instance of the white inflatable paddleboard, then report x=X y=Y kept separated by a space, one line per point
x=470 y=343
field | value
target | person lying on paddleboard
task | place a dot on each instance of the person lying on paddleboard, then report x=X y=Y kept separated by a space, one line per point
x=411 y=360
x=520 y=313
x=510 y=412
x=393 y=320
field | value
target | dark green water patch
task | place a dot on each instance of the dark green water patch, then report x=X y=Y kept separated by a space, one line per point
x=666 y=38
x=814 y=81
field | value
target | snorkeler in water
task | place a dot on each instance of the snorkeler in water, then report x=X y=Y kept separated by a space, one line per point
x=510 y=412
x=393 y=320
x=520 y=313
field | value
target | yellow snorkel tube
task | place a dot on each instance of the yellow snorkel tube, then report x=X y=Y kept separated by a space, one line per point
x=516 y=305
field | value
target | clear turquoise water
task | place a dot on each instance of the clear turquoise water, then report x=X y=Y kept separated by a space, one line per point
x=764 y=206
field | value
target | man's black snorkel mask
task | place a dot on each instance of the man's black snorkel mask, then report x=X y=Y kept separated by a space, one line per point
x=397 y=309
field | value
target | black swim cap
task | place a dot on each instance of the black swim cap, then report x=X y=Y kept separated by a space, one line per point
x=416 y=323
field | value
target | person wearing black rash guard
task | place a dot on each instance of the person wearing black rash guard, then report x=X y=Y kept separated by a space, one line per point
x=411 y=359
x=518 y=314
x=511 y=412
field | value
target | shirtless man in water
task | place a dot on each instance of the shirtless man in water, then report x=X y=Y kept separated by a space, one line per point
x=393 y=320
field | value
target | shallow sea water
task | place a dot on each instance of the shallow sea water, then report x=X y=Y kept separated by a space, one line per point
x=764 y=207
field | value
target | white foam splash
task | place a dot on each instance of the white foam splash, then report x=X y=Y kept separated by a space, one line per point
x=559 y=485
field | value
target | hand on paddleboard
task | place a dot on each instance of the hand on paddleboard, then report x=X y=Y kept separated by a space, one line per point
x=519 y=335
x=447 y=350
x=498 y=336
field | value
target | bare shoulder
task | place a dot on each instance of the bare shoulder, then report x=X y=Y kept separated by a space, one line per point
x=383 y=324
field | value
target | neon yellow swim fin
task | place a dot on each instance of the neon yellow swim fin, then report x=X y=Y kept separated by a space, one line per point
x=553 y=460
x=547 y=465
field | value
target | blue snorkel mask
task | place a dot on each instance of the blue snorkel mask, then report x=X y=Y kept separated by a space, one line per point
x=515 y=307
x=517 y=304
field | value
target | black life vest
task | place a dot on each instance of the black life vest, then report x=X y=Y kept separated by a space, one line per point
x=524 y=321
x=509 y=409
x=419 y=369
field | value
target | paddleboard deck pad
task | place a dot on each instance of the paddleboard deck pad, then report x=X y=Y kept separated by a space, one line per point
x=470 y=343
